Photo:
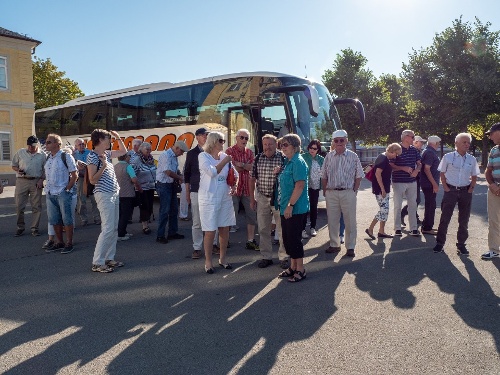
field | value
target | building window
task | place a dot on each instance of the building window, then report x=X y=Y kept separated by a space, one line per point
x=3 y=72
x=5 y=147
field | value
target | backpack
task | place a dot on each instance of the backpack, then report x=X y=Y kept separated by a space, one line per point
x=88 y=187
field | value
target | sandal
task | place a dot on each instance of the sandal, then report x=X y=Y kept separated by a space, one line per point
x=226 y=266
x=114 y=263
x=298 y=276
x=102 y=269
x=209 y=270
x=146 y=230
x=286 y=273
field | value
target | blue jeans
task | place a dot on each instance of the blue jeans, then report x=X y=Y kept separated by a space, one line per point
x=59 y=208
x=168 y=209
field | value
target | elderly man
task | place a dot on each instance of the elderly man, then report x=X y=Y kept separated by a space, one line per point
x=28 y=163
x=167 y=172
x=429 y=181
x=192 y=184
x=459 y=171
x=61 y=174
x=262 y=180
x=418 y=143
x=492 y=175
x=342 y=174
x=242 y=161
x=134 y=153
x=80 y=154
x=405 y=169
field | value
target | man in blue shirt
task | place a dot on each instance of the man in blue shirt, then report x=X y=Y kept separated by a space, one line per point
x=429 y=181
x=80 y=155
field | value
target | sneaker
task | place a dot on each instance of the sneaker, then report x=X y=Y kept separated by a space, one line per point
x=265 y=263
x=67 y=249
x=438 y=248
x=175 y=236
x=161 y=240
x=19 y=232
x=196 y=254
x=398 y=233
x=304 y=234
x=489 y=255
x=332 y=249
x=102 y=269
x=341 y=239
x=462 y=250
x=415 y=233
x=54 y=247
x=124 y=238
x=234 y=229
x=313 y=232
x=114 y=263
x=48 y=244
x=284 y=264
x=128 y=234
x=35 y=233
x=433 y=232
x=350 y=253
x=252 y=245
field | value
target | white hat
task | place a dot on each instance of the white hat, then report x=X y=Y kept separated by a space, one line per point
x=420 y=139
x=341 y=133
x=434 y=139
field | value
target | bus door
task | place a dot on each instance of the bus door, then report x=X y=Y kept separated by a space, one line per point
x=241 y=118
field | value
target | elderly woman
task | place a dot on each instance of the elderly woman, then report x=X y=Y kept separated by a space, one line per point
x=145 y=170
x=314 y=162
x=214 y=198
x=127 y=180
x=293 y=203
x=381 y=187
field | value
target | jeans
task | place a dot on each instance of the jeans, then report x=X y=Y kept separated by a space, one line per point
x=168 y=209
x=59 y=208
x=450 y=200
x=105 y=248
x=430 y=208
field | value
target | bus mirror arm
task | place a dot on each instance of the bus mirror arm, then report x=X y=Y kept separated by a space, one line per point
x=357 y=104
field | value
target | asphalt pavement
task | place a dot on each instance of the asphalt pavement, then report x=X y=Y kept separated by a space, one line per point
x=395 y=308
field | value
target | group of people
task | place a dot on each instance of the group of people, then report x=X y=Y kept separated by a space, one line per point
x=279 y=185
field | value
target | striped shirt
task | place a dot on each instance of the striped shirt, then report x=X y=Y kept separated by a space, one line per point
x=167 y=162
x=262 y=170
x=408 y=158
x=341 y=170
x=458 y=169
x=242 y=156
x=494 y=162
x=108 y=182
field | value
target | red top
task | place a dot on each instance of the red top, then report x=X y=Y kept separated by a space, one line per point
x=242 y=156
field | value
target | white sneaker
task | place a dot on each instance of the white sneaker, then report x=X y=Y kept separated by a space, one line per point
x=128 y=234
x=304 y=234
x=313 y=232
x=124 y=238
x=341 y=239
x=233 y=229
x=490 y=255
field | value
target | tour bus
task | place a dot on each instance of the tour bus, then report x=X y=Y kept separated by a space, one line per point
x=162 y=113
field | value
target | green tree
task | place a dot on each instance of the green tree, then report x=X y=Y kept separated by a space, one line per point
x=456 y=81
x=50 y=85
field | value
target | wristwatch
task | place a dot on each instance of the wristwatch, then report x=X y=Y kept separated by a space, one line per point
x=68 y=190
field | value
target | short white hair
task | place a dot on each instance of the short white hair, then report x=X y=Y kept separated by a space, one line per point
x=463 y=135
x=243 y=131
x=137 y=141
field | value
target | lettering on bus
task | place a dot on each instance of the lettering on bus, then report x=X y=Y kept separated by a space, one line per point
x=157 y=143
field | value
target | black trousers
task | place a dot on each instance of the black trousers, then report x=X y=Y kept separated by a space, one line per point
x=126 y=207
x=430 y=208
x=146 y=199
x=313 y=208
x=291 y=230
x=450 y=199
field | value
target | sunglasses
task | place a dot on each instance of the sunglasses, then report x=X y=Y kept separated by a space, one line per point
x=313 y=148
x=284 y=145
x=341 y=140
x=243 y=138
x=222 y=141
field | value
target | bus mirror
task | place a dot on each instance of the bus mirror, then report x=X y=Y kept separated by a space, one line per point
x=312 y=99
x=357 y=104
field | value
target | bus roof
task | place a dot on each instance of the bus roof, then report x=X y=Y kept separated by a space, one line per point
x=152 y=87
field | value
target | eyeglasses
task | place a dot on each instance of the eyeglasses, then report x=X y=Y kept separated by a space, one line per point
x=48 y=142
x=243 y=138
x=340 y=140
x=313 y=148
x=222 y=141
x=284 y=145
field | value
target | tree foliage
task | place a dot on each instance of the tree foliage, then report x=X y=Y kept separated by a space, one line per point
x=50 y=85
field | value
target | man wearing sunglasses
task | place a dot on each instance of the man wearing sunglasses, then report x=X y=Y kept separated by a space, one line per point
x=405 y=169
x=342 y=174
x=243 y=160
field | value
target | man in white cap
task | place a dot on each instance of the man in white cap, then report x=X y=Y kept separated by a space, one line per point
x=492 y=175
x=167 y=172
x=429 y=181
x=342 y=174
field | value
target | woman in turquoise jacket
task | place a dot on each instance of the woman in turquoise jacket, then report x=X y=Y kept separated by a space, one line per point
x=314 y=162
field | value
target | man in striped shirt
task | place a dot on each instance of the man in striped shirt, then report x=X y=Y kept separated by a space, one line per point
x=405 y=169
x=342 y=174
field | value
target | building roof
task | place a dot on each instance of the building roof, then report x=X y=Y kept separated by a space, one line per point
x=13 y=34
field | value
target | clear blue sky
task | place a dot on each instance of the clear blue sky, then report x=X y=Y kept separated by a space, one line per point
x=106 y=45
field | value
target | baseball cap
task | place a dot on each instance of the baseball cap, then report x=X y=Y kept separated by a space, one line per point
x=493 y=128
x=32 y=140
x=420 y=139
x=182 y=145
x=339 y=134
x=433 y=139
x=202 y=131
